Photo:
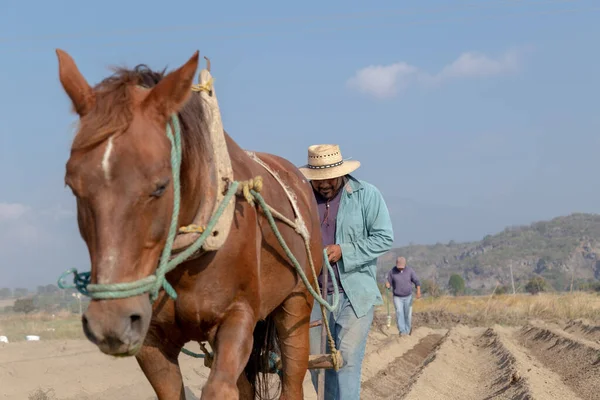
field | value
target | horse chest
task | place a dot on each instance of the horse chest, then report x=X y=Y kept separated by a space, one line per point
x=200 y=312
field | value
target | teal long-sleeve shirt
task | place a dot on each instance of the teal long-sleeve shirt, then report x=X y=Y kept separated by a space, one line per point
x=364 y=232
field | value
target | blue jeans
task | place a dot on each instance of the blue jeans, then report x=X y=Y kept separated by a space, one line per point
x=404 y=313
x=350 y=336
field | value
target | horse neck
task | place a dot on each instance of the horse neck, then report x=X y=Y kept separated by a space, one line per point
x=196 y=177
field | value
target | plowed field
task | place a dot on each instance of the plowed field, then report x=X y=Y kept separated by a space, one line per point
x=539 y=360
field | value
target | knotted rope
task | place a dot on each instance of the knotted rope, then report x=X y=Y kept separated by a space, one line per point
x=203 y=87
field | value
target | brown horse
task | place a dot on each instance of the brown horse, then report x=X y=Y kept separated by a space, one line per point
x=245 y=298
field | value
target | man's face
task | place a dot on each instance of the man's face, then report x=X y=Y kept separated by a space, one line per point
x=327 y=188
x=401 y=263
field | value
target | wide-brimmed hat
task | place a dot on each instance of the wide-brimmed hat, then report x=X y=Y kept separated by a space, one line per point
x=325 y=162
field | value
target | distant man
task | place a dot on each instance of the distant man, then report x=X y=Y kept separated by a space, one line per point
x=356 y=229
x=400 y=279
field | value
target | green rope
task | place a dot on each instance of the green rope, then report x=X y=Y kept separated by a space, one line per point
x=192 y=354
x=288 y=252
x=152 y=284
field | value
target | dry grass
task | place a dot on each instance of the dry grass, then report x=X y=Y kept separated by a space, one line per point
x=481 y=310
x=511 y=309
x=62 y=325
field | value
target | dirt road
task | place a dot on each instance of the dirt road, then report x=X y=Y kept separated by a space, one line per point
x=536 y=361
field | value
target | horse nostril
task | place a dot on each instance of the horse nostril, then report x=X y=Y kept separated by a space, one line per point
x=86 y=329
x=136 y=322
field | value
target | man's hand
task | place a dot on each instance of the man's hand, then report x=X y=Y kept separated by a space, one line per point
x=418 y=293
x=387 y=285
x=334 y=253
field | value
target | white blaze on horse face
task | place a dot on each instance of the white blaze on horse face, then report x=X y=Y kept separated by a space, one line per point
x=108 y=264
x=106 y=158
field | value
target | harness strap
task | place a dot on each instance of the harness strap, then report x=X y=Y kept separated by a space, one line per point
x=300 y=225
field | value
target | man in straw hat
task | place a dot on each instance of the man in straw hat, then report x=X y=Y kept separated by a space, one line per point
x=356 y=229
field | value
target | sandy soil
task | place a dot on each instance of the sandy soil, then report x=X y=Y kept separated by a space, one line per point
x=537 y=361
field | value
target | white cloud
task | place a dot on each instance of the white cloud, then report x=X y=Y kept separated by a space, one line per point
x=12 y=211
x=385 y=81
x=473 y=65
x=20 y=224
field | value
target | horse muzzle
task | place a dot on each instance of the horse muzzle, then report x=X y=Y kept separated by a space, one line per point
x=118 y=327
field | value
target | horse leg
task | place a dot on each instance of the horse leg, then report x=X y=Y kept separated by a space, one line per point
x=245 y=388
x=161 y=368
x=233 y=345
x=292 y=323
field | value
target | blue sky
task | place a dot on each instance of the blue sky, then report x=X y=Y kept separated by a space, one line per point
x=469 y=116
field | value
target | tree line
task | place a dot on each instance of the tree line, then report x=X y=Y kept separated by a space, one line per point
x=8 y=293
x=456 y=286
x=46 y=298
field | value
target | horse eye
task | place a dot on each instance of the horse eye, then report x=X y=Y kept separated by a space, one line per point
x=160 y=189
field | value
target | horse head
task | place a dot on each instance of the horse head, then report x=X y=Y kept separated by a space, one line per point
x=120 y=172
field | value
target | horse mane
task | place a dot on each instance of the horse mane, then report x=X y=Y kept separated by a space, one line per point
x=112 y=113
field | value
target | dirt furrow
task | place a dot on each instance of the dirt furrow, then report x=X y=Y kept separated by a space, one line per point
x=584 y=330
x=390 y=348
x=575 y=360
x=472 y=364
x=396 y=377
x=540 y=382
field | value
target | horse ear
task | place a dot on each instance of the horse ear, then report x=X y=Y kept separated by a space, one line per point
x=80 y=92
x=171 y=93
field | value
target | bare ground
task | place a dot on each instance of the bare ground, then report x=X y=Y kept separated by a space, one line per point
x=584 y=329
x=575 y=359
x=448 y=360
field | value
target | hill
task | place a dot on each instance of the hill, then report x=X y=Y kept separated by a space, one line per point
x=563 y=250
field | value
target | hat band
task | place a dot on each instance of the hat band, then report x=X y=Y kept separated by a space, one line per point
x=337 y=164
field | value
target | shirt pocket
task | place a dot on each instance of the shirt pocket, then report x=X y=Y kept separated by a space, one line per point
x=352 y=228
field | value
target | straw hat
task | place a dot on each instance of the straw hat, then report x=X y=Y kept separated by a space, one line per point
x=325 y=162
